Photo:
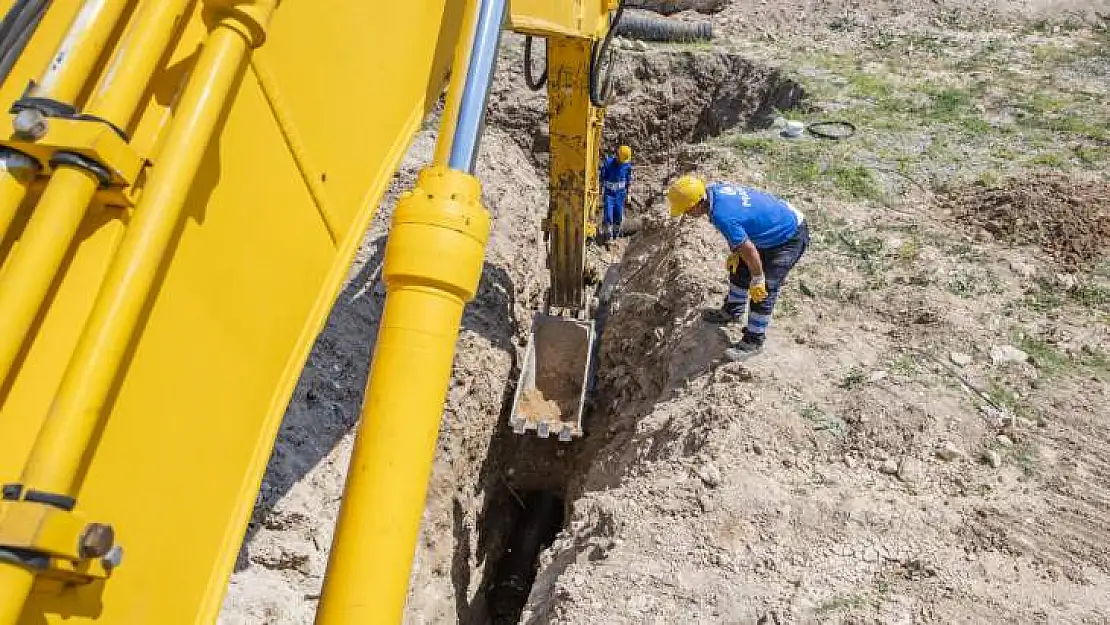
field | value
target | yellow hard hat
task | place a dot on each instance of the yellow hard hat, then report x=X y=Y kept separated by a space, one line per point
x=624 y=154
x=685 y=193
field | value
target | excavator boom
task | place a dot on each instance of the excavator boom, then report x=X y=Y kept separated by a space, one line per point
x=183 y=186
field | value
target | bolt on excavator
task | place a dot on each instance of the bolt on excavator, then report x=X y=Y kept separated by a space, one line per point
x=183 y=186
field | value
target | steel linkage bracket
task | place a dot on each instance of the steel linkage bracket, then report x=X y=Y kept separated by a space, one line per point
x=56 y=543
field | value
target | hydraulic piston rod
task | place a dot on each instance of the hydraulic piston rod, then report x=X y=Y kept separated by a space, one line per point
x=433 y=262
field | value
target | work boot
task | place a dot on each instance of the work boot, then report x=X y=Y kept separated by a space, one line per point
x=726 y=314
x=750 y=345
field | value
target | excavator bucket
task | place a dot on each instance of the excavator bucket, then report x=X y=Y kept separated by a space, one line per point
x=551 y=390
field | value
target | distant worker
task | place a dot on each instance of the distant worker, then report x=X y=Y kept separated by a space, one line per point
x=766 y=235
x=616 y=178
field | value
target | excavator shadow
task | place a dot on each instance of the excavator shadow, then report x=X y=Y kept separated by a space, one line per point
x=327 y=401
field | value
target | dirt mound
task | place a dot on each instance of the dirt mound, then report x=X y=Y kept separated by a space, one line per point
x=1069 y=219
x=663 y=99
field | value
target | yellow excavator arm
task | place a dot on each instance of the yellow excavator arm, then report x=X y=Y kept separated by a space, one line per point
x=183 y=184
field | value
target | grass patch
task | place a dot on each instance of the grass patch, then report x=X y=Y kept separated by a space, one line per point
x=1094 y=296
x=1006 y=398
x=836 y=604
x=1048 y=159
x=869 y=86
x=905 y=364
x=1046 y=357
x=752 y=144
x=803 y=168
x=948 y=103
x=975 y=125
x=1026 y=456
x=823 y=422
x=858 y=182
x=855 y=377
x=1092 y=155
x=1052 y=54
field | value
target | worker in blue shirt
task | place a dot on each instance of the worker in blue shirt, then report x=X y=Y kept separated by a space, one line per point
x=616 y=177
x=766 y=235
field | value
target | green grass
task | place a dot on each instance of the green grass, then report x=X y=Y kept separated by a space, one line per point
x=869 y=86
x=905 y=364
x=1052 y=54
x=1048 y=159
x=1026 y=456
x=1092 y=156
x=975 y=125
x=858 y=182
x=947 y=103
x=749 y=144
x=1006 y=398
x=1094 y=358
x=1046 y=357
x=802 y=168
x=855 y=377
x=850 y=602
x=823 y=422
x=1095 y=296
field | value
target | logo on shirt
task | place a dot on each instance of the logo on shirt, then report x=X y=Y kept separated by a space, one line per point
x=741 y=192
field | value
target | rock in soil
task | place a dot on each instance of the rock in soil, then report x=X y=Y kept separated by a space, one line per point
x=911 y=470
x=1007 y=354
x=960 y=359
x=710 y=474
x=948 y=451
x=993 y=458
x=889 y=466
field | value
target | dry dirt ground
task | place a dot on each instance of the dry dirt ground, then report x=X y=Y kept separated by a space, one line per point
x=925 y=440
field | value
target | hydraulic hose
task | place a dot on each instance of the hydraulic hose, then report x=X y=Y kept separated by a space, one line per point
x=599 y=86
x=16 y=29
x=648 y=28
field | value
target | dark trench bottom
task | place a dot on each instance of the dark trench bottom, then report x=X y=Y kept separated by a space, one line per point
x=532 y=529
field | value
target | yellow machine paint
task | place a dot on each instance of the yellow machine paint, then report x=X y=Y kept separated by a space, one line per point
x=166 y=266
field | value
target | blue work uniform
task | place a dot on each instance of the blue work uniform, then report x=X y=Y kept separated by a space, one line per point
x=778 y=231
x=616 y=177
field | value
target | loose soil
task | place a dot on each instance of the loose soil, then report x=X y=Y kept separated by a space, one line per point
x=1069 y=219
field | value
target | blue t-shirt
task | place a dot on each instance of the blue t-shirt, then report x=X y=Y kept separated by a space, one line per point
x=743 y=213
x=615 y=176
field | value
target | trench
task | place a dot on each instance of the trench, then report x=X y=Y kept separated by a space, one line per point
x=527 y=486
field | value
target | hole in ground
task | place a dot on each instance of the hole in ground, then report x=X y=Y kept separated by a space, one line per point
x=537 y=518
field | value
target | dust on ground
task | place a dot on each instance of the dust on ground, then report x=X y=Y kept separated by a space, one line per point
x=924 y=440
x=1069 y=218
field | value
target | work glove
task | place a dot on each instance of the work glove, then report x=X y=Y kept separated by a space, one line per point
x=757 y=289
x=733 y=263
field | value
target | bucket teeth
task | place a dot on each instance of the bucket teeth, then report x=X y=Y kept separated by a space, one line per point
x=564 y=431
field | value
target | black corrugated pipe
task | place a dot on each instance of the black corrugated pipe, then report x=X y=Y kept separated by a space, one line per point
x=648 y=28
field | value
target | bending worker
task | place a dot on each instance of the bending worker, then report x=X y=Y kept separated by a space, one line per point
x=616 y=177
x=766 y=235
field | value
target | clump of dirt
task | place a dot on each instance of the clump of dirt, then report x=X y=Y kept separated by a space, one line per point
x=1068 y=218
x=536 y=406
